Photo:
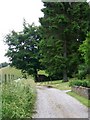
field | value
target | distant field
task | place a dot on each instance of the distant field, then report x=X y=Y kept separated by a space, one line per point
x=42 y=72
x=9 y=73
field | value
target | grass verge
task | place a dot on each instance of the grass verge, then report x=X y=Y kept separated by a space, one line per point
x=59 y=84
x=83 y=100
x=18 y=99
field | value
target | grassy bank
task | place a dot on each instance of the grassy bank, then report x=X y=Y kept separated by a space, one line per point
x=83 y=100
x=18 y=99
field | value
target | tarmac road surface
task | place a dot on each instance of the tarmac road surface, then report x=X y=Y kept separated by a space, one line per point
x=54 y=103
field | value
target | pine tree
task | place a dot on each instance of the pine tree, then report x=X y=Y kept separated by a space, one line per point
x=64 y=27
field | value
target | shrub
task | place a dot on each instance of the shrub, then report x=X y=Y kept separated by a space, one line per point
x=18 y=100
x=84 y=83
x=88 y=83
x=75 y=82
x=82 y=72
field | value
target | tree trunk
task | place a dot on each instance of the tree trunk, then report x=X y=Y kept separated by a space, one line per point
x=65 y=78
x=35 y=75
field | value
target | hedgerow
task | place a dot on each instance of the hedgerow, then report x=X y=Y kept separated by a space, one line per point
x=83 y=83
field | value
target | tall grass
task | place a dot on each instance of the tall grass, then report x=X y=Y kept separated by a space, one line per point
x=18 y=99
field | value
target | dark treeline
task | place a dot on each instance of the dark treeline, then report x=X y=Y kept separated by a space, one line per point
x=60 y=45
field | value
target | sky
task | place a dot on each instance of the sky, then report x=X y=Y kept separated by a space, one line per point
x=12 y=13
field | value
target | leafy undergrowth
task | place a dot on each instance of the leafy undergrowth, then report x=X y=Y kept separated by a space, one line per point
x=59 y=84
x=83 y=100
x=18 y=99
x=83 y=83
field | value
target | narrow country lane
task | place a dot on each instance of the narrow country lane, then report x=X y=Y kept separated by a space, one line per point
x=54 y=103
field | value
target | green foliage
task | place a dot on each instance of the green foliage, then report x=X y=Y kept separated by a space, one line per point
x=23 y=49
x=82 y=71
x=63 y=28
x=85 y=51
x=18 y=99
x=83 y=83
x=50 y=59
x=75 y=82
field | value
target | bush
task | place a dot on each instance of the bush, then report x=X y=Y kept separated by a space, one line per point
x=84 y=83
x=82 y=72
x=75 y=83
x=88 y=83
x=18 y=100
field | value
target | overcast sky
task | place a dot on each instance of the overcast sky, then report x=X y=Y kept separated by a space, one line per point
x=12 y=13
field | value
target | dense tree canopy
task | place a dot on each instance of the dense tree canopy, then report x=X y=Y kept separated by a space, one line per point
x=64 y=27
x=23 y=49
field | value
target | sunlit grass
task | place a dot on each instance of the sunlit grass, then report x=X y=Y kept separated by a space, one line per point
x=42 y=72
x=59 y=84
